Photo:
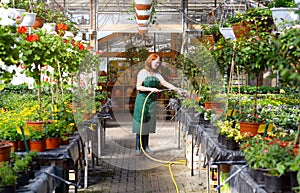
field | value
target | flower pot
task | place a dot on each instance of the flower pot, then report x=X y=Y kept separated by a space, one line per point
x=211 y=105
x=209 y=39
x=142 y=4
x=37 y=145
x=296 y=150
x=35 y=125
x=38 y=22
x=257 y=175
x=8 y=189
x=5 y=152
x=52 y=143
x=143 y=29
x=241 y=29
x=28 y=19
x=5 y=17
x=142 y=23
x=142 y=17
x=284 y=16
x=227 y=33
x=14 y=145
x=249 y=128
x=293 y=180
x=23 y=178
x=144 y=12
x=273 y=184
x=21 y=145
x=232 y=145
x=16 y=12
x=65 y=140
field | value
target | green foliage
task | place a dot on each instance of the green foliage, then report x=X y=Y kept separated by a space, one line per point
x=53 y=129
x=21 y=164
x=36 y=134
x=272 y=155
x=283 y=3
x=7 y=174
x=9 y=51
x=289 y=61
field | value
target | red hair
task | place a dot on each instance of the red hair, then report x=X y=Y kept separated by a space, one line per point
x=148 y=61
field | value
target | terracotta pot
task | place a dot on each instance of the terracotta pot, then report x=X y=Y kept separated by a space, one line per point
x=52 y=143
x=241 y=29
x=211 y=105
x=37 y=145
x=142 y=6
x=249 y=128
x=210 y=39
x=35 y=124
x=38 y=23
x=14 y=145
x=296 y=150
x=142 y=17
x=5 y=152
x=21 y=145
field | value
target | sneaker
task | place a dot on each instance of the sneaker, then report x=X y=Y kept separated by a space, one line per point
x=147 y=150
x=138 y=152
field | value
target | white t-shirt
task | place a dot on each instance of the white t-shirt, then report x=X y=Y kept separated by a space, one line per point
x=145 y=73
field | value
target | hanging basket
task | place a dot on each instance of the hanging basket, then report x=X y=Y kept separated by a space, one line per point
x=227 y=32
x=38 y=23
x=142 y=4
x=144 y=12
x=241 y=29
x=249 y=128
x=28 y=19
x=284 y=16
x=143 y=29
x=143 y=23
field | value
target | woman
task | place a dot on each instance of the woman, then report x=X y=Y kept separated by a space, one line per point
x=148 y=80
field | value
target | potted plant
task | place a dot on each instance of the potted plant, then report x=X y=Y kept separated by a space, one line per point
x=226 y=30
x=21 y=167
x=36 y=141
x=40 y=8
x=8 y=178
x=284 y=13
x=52 y=131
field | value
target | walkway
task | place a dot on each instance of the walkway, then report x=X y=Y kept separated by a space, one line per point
x=119 y=170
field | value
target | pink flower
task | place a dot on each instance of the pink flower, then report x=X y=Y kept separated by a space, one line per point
x=265 y=151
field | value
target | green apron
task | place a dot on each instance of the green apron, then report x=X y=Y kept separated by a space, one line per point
x=149 y=120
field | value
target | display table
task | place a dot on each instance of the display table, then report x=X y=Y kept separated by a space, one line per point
x=43 y=182
x=68 y=157
x=205 y=136
x=242 y=182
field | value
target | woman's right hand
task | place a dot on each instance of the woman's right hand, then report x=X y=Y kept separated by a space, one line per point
x=155 y=90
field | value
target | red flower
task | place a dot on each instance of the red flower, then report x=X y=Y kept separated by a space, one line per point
x=284 y=144
x=80 y=46
x=61 y=26
x=32 y=38
x=265 y=151
x=22 y=30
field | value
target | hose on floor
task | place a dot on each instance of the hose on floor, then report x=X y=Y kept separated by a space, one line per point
x=170 y=163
